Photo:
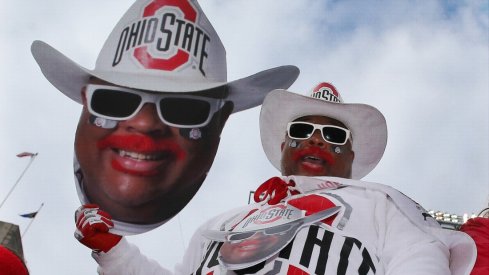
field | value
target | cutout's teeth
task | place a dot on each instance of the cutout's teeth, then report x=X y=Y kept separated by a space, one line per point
x=138 y=156
x=312 y=158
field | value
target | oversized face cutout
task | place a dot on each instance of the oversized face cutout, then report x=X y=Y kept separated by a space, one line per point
x=143 y=171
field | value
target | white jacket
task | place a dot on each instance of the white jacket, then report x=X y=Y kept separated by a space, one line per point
x=378 y=231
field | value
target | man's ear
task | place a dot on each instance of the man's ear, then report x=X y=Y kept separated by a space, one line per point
x=225 y=112
x=83 y=95
x=282 y=146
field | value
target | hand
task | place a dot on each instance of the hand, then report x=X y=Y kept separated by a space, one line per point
x=92 y=228
x=274 y=190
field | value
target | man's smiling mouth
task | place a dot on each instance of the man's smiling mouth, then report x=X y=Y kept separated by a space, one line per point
x=140 y=156
x=313 y=159
x=313 y=155
x=142 y=148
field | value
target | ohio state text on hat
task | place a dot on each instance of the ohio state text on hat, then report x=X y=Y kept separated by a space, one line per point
x=162 y=46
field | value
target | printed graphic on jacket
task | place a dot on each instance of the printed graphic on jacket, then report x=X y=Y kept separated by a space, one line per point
x=316 y=249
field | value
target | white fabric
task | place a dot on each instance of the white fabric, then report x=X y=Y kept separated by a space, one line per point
x=376 y=220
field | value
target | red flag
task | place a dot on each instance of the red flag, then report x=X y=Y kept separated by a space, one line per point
x=26 y=154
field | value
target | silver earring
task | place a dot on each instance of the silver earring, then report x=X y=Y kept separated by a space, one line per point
x=337 y=150
x=195 y=133
x=293 y=144
x=102 y=122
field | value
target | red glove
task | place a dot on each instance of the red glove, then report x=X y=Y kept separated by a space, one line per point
x=274 y=190
x=478 y=229
x=92 y=228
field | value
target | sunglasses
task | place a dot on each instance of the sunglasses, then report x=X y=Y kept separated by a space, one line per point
x=273 y=238
x=276 y=230
x=176 y=110
x=292 y=226
x=332 y=134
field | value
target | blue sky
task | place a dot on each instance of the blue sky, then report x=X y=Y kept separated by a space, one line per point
x=423 y=64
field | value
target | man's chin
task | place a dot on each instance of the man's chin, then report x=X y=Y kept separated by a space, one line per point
x=307 y=169
x=132 y=201
x=134 y=191
x=147 y=171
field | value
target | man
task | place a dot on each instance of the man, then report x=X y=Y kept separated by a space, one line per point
x=318 y=218
x=153 y=110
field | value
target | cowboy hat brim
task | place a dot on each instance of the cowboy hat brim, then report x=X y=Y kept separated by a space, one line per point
x=69 y=77
x=366 y=123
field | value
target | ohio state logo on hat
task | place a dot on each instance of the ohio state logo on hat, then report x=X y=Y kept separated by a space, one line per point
x=326 y=91
x=165 y=38
x=171 y=38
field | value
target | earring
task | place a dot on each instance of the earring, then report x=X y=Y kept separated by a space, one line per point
x=293 y=144
x=102 y=122
x=337 y=150
x=195 y=133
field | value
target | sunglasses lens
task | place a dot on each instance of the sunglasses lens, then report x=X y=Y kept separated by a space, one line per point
x=278 y=229
x=185 y=111
x=300 y=130
x=241 y=236
x=117 y=104
x=335 y=135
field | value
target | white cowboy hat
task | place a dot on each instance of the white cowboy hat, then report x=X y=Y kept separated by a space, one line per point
x=366 y=123
x=162 y=46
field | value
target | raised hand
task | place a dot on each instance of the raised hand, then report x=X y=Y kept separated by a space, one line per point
x=92 y=228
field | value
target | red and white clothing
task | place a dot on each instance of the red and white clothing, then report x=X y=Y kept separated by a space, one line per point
x=478 y=229
x=377 y=231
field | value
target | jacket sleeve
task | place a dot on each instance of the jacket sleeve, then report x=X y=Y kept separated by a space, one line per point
x=126 y=259
x=407 y=249
x=478 y=229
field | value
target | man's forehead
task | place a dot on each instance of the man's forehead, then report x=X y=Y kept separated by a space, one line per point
x=217 y=92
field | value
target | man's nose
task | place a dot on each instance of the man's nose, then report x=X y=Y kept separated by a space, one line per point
x=316 y=139
x=146 y=121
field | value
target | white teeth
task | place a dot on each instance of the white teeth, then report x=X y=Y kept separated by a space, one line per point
x=312 y=158
x=137 y=156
